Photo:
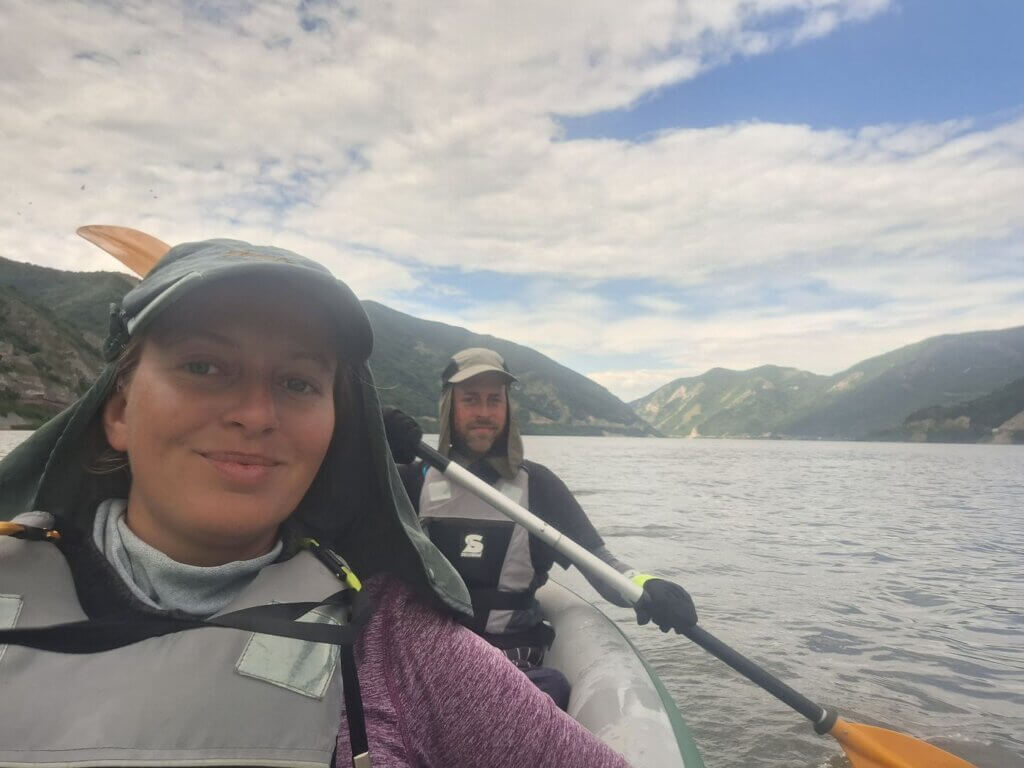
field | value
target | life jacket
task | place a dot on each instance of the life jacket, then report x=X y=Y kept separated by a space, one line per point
x=490 y=552
x=251 y=699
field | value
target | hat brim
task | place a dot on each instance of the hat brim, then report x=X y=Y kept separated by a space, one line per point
x=351 y=322
x=475 y=370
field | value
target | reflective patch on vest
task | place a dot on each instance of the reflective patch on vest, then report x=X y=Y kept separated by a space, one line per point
x=439 y=491
x=10 y=608
x=473 y=545
x=297 y=665
x=513 y=492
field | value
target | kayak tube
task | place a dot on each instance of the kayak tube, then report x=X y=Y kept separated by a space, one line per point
x=615 y=693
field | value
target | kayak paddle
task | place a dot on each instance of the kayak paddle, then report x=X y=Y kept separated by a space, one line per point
x=136 y=250
x=866 y=746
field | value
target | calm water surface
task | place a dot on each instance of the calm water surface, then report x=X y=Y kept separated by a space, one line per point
x=884 y=579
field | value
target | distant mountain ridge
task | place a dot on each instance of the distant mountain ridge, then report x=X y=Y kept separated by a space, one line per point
x=722 y=402
x=409 y=355
x=869 y=400
x=52 y=324
x=995 y=418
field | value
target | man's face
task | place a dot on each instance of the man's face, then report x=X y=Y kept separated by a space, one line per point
x=479 y=412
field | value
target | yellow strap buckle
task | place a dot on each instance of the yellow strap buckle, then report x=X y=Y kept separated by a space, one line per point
x=335 y=562
x=641 y=578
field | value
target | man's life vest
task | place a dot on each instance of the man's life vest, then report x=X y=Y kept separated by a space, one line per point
x=490 y=552
x=207 y=697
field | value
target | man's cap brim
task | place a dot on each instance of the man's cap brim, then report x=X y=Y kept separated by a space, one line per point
x=475 y=370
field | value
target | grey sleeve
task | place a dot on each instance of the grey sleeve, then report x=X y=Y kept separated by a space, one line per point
x=606 y=591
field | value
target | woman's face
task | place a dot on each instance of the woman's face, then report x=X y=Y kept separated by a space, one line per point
x=225 y=420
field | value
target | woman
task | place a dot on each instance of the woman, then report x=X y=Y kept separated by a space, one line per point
x=231 y=449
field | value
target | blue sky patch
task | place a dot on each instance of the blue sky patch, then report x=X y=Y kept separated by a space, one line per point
x=922 y=61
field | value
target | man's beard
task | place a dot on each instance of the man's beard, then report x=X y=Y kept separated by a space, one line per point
x=499 y=447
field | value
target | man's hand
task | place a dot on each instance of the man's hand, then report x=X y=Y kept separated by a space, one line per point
x=665 y=603
x=403 y=434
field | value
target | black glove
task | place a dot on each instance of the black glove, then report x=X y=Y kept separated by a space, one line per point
x=403 y=434
x=667 y=604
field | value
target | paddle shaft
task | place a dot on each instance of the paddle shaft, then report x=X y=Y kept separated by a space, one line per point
x=587 y=561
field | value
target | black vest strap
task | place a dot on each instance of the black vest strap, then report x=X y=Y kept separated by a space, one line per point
x=97 y=635
x=486 y=600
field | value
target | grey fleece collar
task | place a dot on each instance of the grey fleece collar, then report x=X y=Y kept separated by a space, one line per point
x=160 y=582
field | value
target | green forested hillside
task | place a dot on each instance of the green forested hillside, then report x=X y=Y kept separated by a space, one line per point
x=409 y=355
x=52 y=324
x=726 y=403
x=81 y=299
x=995 y=418
x=868 y=400
x=879 y=393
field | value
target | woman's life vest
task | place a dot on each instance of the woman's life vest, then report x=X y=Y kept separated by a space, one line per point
x=207 y=697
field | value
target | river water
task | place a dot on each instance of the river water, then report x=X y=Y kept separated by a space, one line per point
x=885 y=579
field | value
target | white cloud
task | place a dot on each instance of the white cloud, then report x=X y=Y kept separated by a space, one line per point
x=676 y=340
x=396 y=137
x=181 y=116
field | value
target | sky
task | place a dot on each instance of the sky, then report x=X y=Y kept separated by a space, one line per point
x=641 y=191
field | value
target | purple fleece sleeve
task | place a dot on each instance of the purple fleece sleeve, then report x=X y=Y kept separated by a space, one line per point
x=437 y=696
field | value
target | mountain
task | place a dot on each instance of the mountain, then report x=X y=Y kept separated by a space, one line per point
x=868 y=400
x=725 y=403
x=51 y=327
x=881 y=392
x=995 y=418
x=409 y=355
x=81 y=299
x=52 y=324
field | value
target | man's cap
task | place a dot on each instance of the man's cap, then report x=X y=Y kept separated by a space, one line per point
x=472 y=362
x=192 y=265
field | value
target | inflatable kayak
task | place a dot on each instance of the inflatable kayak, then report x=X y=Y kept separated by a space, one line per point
x=615 y=693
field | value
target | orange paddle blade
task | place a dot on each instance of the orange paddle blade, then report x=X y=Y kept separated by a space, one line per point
x=870 y=747
x=136 y=250
x=13 y=529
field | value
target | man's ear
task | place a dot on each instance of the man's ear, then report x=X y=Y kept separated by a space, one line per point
x=115 y=425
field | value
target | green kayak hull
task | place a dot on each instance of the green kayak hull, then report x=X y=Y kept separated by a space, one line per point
x=615 y=692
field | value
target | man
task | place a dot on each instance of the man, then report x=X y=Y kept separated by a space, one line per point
x=501 y=563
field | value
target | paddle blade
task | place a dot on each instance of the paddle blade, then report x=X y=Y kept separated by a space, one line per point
x=136 y=250
x=870 y=747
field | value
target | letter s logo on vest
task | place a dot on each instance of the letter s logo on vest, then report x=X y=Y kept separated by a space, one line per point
x=474 y=546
